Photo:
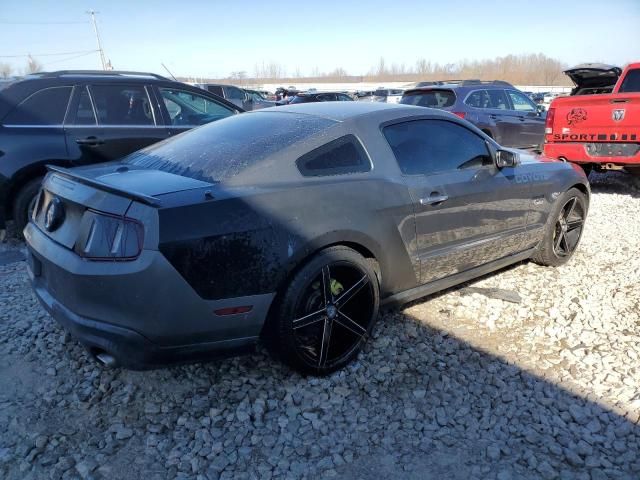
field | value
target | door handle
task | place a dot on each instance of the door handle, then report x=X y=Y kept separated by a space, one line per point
x=522 y=119
x=434 y=199
x=493 y=117
x=90 y=141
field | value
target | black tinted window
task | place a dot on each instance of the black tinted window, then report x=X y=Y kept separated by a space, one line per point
x=478 y=99
x=235 y=93
x=46 y=107
x=229 y=147
x=216 y=90
x=430 y=146
x=343 y=155
x=122 y=105
x=631 y=82
x=497 y=99
x=430 y=98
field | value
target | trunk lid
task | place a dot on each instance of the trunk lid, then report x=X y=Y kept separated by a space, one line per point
x=70 y=198
x=587 y=76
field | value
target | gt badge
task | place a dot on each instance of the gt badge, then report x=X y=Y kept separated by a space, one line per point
x=617 y=115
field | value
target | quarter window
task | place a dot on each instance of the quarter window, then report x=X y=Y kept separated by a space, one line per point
x=235 y=93
x=343 y=155
x=122 y=105
x=521 y=102
x=46 y=107
x=425 y=147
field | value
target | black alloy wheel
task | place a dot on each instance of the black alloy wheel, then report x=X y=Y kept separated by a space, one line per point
x=328 y=311
x=568 y=227
x=563 y=230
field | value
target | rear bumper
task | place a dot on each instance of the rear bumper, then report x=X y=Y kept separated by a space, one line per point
x=141 y=312
x=576 y=152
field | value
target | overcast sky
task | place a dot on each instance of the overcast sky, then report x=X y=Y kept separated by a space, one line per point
x=214 y=38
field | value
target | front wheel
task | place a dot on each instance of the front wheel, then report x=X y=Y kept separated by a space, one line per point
x=563 y=230
x=327 y=312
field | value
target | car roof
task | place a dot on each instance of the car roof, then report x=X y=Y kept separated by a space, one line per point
x=343 y=111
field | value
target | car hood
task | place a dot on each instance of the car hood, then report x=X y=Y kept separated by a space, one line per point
x=593 y=75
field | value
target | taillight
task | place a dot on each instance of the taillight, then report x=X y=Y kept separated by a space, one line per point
x=548 y=125
x=460 y=114
x=105 y=237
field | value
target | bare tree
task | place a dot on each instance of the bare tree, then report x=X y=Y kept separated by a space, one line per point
x=33 y=65
x=5 y=70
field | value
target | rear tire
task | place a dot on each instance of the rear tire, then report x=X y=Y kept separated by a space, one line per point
x=327 y=312
x=563 y=230
x=24 y=202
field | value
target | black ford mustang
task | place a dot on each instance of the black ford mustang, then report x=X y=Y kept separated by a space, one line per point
x=292 y=224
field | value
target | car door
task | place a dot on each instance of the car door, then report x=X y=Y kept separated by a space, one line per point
x=109 y=121
x=468 y=212
x=184 y=108
x=506 y=122
x=531 y=132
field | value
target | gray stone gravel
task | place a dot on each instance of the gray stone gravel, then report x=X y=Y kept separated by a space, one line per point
x=470 y=383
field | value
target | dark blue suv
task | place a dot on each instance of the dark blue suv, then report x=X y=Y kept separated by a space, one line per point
x=497 y=108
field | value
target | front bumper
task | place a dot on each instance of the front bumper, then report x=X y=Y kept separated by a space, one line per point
x=141 y=312
x=576 y=152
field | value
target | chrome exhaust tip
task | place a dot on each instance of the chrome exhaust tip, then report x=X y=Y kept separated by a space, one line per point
x=106 y=360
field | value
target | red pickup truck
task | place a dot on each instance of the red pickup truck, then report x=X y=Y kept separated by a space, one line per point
x=597 y=129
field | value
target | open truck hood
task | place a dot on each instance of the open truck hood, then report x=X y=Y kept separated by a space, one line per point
x=593 y=75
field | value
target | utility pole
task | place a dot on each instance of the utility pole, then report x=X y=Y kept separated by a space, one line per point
x=105 y=66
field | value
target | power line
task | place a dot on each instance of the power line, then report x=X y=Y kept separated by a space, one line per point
x=48 y=54
x=5 y=22
x=70 y=58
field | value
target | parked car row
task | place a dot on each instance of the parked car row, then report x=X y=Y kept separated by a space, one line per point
x=72 y=118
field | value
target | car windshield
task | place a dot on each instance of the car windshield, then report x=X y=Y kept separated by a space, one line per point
x=226 y=148
x=430 y=98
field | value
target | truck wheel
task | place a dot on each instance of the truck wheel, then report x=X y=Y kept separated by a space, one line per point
x=563 y=230
x=327 y=312
x=24 y=203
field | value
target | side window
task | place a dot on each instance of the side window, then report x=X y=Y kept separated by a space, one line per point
x=631 y=82
x=424 y=147
x=45 y=107
x=122 y=105
x=344 y=98
x=81 y=112
x=478 y=99
x=191 y=109
x=497 y=99
x=521 y=102
x=234 y=93
x=216 y=90
x=343 y=155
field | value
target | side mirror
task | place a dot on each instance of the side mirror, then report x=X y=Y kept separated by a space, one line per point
x=540 y=109
x=506 y=158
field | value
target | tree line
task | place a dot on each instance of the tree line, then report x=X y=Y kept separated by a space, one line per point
x=526 y=69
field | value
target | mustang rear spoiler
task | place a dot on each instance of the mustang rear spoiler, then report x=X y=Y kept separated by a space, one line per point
x=140 y=197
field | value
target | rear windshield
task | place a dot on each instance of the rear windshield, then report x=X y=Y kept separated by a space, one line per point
x=430 y=98
x=631 y=82
x=225 y=148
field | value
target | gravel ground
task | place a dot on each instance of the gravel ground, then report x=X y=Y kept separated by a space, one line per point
x=528 y=373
